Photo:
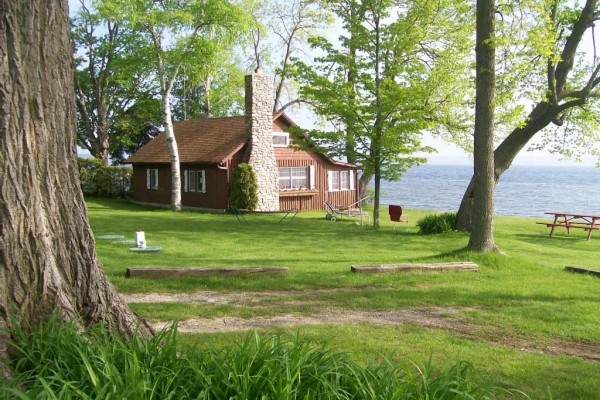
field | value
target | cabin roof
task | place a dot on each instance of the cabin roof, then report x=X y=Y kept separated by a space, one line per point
x=205 y=141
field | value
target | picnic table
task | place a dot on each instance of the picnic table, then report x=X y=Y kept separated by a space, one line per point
x=568 y=220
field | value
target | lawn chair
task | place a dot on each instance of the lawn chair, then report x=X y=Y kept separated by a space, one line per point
x=333 y=212
x=396 y=215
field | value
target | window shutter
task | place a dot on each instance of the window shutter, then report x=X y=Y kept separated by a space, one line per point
x=311 y=176
x=185 y=180
x=329 y=180
x=147 y=178
x=352 y=186
x=203 y=174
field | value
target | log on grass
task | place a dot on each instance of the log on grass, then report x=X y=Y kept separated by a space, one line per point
x=582 y=270
x=177 y=272
x=450 y=266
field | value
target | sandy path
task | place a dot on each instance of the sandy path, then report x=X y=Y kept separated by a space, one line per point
x=434 y=318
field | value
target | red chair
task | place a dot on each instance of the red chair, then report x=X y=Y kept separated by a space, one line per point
x=396 y=215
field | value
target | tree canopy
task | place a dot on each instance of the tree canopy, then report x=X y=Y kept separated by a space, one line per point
x=397 y=70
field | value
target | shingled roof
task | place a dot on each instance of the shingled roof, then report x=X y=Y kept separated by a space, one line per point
x=200 y=141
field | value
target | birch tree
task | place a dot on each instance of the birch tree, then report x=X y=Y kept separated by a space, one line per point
x=180 y=34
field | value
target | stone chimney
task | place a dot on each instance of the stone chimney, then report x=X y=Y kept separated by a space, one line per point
x=259 y=125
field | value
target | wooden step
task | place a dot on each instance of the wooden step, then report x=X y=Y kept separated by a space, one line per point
x=582 y=270
x=179 y=272
x=449 y=266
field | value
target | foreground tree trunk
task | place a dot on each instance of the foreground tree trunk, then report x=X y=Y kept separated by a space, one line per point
x=482 y=234
x=47 y=258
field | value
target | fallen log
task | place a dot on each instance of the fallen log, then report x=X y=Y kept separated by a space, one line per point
x=582 y=270
x=450 y=266
x=178 y=272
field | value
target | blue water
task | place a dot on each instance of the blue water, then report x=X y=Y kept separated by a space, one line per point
x=522 y=190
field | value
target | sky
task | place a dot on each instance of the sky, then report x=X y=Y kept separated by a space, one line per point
x=451 y=154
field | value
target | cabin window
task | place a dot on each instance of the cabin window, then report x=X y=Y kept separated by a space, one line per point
x=341 y=180
x=194 y=181
x=293 y=178
x=152 y=178
x=281 y=139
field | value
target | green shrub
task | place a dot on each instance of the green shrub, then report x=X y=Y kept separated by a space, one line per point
x=98 y=180
x=437 y=223
x=244 y=188
x=87 y=169
x=57 y=361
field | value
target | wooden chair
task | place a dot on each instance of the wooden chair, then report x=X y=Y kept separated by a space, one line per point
x=396 y=215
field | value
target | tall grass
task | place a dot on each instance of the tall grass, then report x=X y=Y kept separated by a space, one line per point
x=56 y=361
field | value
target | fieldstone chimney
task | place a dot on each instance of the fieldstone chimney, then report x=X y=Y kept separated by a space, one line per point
x=259 y=125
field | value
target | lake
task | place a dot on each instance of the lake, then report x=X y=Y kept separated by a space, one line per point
x=522 y=190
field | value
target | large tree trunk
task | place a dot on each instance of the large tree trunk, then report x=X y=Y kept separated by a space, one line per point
x=482 y=234
x=47 y=258
x=541 y=116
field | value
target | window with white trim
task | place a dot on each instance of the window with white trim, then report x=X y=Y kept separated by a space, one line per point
x=295 y=178
x=340 y=180
x=194 y=181
x=152 y=178
x=281 y=139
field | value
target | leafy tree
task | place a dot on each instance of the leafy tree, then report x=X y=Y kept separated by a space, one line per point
x=386 y=81
x=288 y=24
x=217 y=94
x=244 y=187
x=47 y=259
x=180 y=35
x=110 y=77
x=541 y=63
x=137 y=126
x=482 y=236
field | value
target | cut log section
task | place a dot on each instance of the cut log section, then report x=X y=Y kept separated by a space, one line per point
x=582 y=270
x=451 y=266
x=178 y=272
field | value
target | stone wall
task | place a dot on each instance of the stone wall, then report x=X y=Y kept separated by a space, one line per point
x=259 y=124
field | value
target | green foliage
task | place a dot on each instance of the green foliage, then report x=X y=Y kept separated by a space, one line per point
x=388 y=80
x=98 y=180
x=56 y=360
x=244 y=188
x=437 y=223
x=136 y=127
x=112 y=81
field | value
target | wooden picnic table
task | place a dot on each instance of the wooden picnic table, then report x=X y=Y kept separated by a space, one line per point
x=568 y=220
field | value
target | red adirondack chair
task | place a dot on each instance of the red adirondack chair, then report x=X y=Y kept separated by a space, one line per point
x=396 y=215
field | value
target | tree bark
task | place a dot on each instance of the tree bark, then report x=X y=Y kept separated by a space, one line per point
x=482 y=234
x=173 y=154
x=47 y=259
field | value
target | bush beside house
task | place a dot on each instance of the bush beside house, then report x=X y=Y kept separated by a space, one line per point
x=244 y=188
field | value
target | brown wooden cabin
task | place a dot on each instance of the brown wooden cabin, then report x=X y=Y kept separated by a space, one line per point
x=210 y=148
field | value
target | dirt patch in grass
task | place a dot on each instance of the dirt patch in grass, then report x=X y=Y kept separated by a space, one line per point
x=445 y=318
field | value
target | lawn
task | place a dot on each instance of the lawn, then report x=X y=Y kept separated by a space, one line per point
x=522 y=320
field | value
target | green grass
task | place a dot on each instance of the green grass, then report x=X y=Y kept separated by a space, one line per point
x=522 y=296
